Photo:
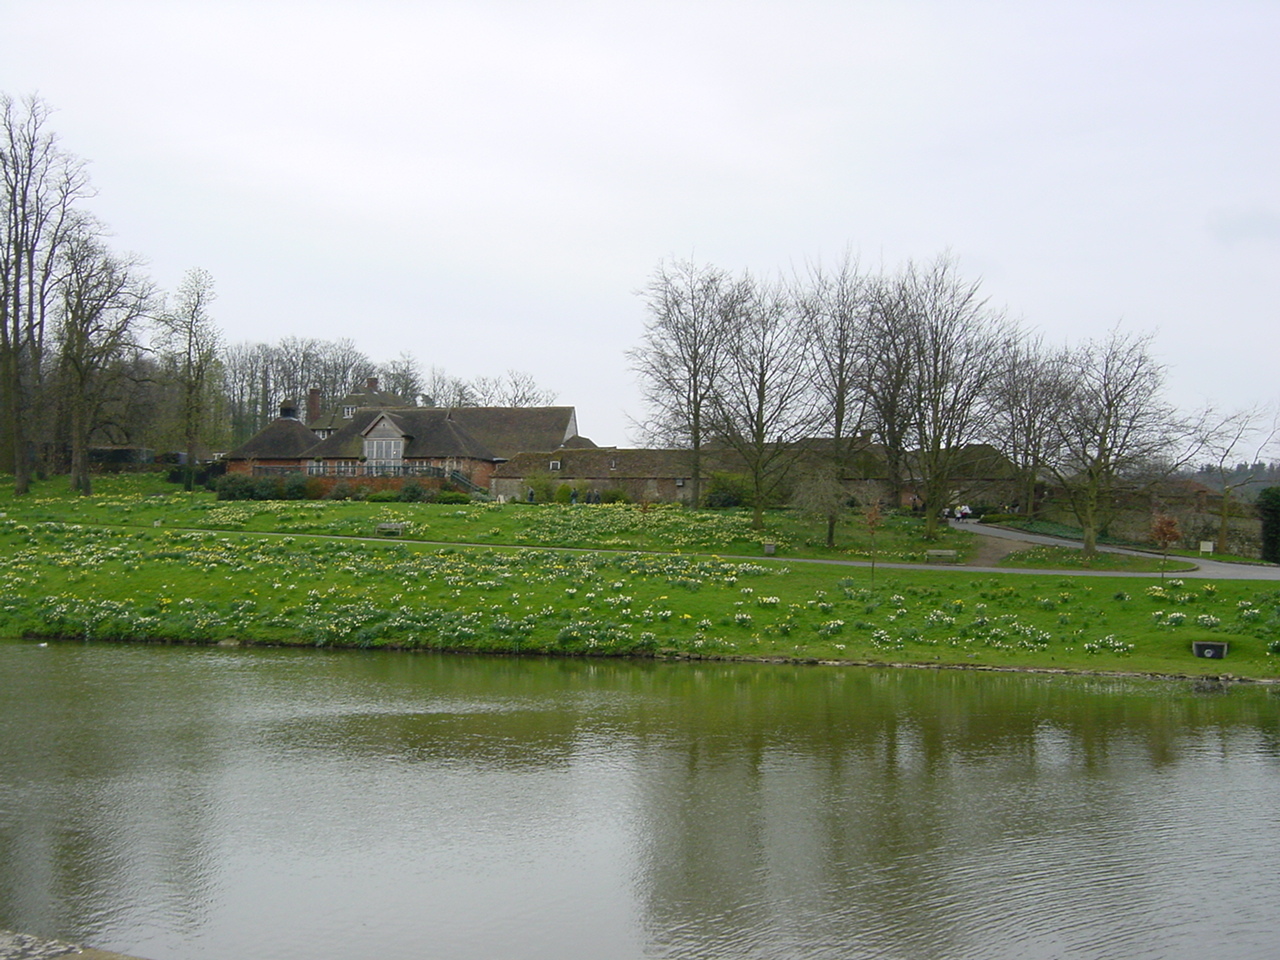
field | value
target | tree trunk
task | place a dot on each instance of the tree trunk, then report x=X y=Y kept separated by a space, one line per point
x=80 y=482
x=1224 y=521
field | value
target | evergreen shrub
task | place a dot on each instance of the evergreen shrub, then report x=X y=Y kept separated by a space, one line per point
x=726 y=490
x=234 y=486
x=1269 y=511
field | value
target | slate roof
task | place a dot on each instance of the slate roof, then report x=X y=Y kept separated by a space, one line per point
x=282 y=439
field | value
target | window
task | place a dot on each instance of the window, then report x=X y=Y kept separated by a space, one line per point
x=613 y=464
x=555 y=464
x=384 y=451
x=348 y=412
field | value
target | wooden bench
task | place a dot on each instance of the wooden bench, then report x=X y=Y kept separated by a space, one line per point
x=391 y=529
x=940 y=556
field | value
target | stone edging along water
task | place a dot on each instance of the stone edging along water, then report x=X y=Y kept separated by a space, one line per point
x=22 y=946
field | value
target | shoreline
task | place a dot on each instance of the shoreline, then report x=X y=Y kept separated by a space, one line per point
x=682 y=656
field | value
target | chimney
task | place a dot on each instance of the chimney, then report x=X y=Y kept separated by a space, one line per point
x=288 y=410
x=313 y=405
x=372 y=385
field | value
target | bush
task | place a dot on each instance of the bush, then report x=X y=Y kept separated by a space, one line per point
x=452 y=496
x=543 y=486
x=294 y=487
x=565 y=493
x=615 y=496
x=414 y=492
x=266 y=488
x=383 y=496
x=726 y=490
x=1269 y=511
x=234 y=486
x=341 y=491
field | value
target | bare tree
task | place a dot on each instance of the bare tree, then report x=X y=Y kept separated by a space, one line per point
x=340 y=365
x=515 y=388
x=835 y=308
x=439 y=389
x=762 y=408
x=39 y=186
x=101 y=305
x=1029 y=396
x=820 y=492
x=889 y=358
x=403 y=377
x=956 y=345
x=682 y=353
x=1115 y=426
x=188 y=342
x=247 y=384
x=1226 y=440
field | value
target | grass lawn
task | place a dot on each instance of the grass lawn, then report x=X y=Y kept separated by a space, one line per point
x=146 y=500
x=66 y=572
x=1068 y=558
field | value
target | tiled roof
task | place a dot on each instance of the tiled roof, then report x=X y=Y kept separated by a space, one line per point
x=429 y=433
x=511 y=430
x=281 y=439
x=333 y=419
x=485 y=433
x=601 y=463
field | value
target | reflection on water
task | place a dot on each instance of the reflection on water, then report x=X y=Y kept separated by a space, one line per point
x=192 y=803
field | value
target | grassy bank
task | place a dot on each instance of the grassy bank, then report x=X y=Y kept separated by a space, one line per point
x=146 y=500
x=137 y=581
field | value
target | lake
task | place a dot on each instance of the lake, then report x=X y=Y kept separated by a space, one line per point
x=188 y=803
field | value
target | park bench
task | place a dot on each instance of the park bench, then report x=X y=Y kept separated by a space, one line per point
x=391 y=529
x=940 y=556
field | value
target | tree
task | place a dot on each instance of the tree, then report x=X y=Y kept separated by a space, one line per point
x=442 y=390
x=189 y=342
x=820 y=492
x=682 y=353
x=1029 y=396
x=1269 y=511
x=102 y=302
x=1225 y=439
x=1164 y=532
x=761 y=406
x=889 y=356
x=955 y=346
x=403 y=377
x=835 y=309
x=869 y=494
x=1115 y=427
x=39 y=186
x=515 y=388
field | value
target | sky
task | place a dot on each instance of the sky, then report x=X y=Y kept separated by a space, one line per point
x=487 y=184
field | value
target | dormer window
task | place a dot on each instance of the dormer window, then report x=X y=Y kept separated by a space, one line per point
x=555 y=464
x=613 y=464
x=348 y=412
x=384 y=452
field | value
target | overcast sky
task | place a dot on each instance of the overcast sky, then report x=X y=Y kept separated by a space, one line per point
x=486 y=184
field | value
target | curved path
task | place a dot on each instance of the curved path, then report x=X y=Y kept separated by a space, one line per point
x=1205 y=569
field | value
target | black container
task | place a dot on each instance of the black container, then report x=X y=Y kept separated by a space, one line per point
x=1212 y=649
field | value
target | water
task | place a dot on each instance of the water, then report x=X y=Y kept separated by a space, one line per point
x=182 y=803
